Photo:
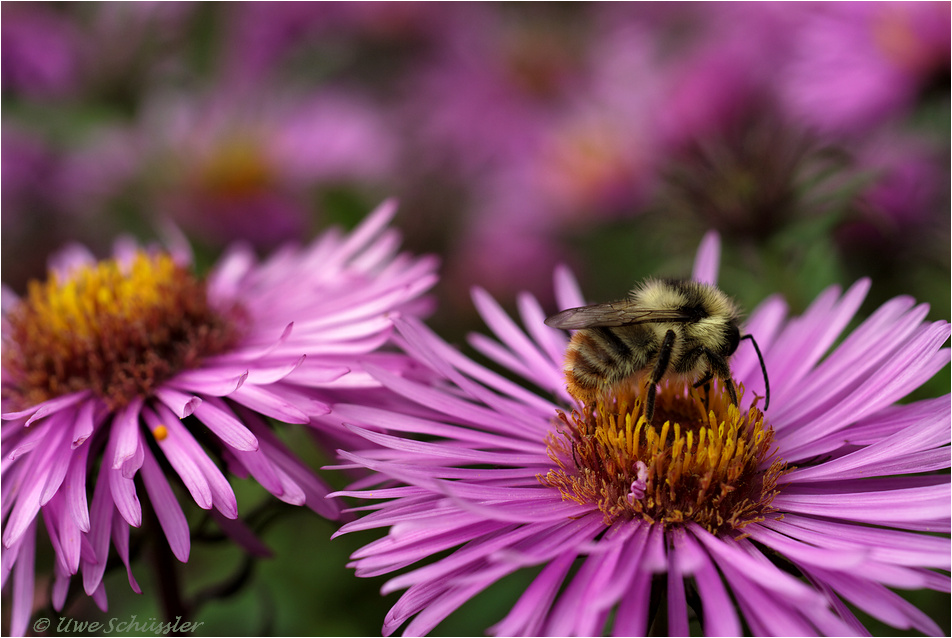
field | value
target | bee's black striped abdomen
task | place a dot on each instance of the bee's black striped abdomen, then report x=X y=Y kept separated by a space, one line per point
x=613 y=342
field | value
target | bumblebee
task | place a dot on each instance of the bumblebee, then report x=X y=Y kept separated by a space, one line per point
x=665 y=327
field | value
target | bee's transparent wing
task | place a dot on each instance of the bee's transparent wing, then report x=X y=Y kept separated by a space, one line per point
x=617 y=313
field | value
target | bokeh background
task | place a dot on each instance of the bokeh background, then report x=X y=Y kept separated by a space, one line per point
x=609 y=136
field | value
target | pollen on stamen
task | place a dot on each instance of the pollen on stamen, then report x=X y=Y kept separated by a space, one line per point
x=116 y=328
x=160 y=432
x=701 y=459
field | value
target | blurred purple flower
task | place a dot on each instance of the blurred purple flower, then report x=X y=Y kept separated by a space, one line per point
x=495 y=247
x=836 y=484
x=903 y=207
x=136 y=366
x=909 y=184
x=488 y=92
x=39 y=51
x=859 y=64
x=594 y=164
x=44 y=203
x=53 y=52
x=263 y=37
x=237 y=166
x=27 y=164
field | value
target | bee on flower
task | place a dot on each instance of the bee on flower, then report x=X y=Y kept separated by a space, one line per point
x=713 y=512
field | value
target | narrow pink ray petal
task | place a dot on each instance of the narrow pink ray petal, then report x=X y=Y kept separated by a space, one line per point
x=59 y=464
x=531 y=610
x=176 y=453
x=266 y=402
x=124 y=434
x=677 y=600
x=60 y=590
x=75 y=489
x=23 y=580
x=720 y=617
x=708 y=259
x=509 y=333
x=217 y=381
x=365 y=232
x=217 y=416
x=181 y=404
x=100 y=529
x=912 y=504
x=120 y=539
x=226 y=278
x=758 y=571
x=27 y=504
x=85 y=423
x=190 y=456
x=877 y=601
x=166 y=508
x=894 y=546
x=568 y=294
x=41 y=410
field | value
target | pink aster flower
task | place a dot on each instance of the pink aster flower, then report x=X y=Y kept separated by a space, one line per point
x=134 y=368
x=772 y=523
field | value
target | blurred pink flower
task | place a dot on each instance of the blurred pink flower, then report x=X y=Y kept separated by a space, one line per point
x=594 y=164
x=485 y=95
x=909 y=185
x=27 y=164
x=859 y=64
x=237 y=166
x=40 y=48
x=263 y=39
x=59 y=51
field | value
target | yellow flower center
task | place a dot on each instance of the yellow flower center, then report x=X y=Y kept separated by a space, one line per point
x=237 y=169
x=712 y=466
x=118 y=329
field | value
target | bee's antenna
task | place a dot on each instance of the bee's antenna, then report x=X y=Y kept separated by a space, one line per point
x=764 y=369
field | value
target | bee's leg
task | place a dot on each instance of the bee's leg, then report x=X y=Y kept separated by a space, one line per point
x=729 y=384
x=649 y=402
x=661 y=366
x=706 y=382
x=722 y=371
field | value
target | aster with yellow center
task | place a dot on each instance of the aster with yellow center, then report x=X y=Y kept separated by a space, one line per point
x=715 y=468
x=714 y=518
x=117 y=330
x=135 y=372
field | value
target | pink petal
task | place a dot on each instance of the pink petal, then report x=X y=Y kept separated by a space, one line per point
x=23 y=581
x=100 y=519
x=120 y=539
x=124 y=434
x=266 y=402
x=216 y=415
x=210 y=381
x=166 y=508
x=708 y=259
x=75 y=489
